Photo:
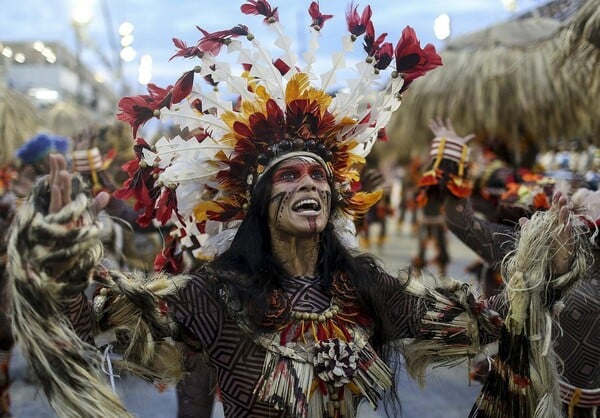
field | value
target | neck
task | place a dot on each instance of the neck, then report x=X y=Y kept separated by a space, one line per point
x=298 y=255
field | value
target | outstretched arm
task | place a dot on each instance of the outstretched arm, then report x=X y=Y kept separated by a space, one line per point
x=55 y=253
x=53 y=245
x=491 y=241
x=550 y=255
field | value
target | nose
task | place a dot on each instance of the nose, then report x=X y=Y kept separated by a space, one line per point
x=307 y=183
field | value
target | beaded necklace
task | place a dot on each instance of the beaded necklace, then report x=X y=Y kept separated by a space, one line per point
x=316 y=362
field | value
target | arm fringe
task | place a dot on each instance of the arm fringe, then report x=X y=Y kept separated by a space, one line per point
x=67 y=366
x=52 y=259
x=532 y=288
x=143 y=331
x=449 y=333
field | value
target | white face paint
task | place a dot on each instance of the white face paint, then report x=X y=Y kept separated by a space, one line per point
x=300 y=197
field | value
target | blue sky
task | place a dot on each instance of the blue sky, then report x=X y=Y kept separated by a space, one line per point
x=156 y=22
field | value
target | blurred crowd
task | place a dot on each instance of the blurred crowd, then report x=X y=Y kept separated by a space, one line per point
x=502 y=191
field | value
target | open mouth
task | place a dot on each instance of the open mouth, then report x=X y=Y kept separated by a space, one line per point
x=307 y=205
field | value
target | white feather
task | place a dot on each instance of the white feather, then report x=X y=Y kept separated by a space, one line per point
x=311 y=53
x=149 y=157
x=212 y=100
x=189 y=195
x=183 y=116
x=359 y=87
x=338 y=62
x=284 y=43
x=263 y=68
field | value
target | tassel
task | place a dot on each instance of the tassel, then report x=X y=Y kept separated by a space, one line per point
x=286 y=384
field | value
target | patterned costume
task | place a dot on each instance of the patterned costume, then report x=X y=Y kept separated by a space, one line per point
x=576 y=339
x=293 y=321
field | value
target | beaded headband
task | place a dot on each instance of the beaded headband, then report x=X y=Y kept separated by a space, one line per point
x=282 y=107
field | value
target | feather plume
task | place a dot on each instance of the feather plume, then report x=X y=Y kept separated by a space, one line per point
x=310 y=55
x=212 y=100
x=357 y=86
x=284 y=43
x=280 y=108
x=338 y=63
x=263 y=68
x=236 y=85
x=296 y=87
x=182 y=115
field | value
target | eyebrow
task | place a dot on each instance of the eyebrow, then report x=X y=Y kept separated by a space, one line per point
x=310 y=164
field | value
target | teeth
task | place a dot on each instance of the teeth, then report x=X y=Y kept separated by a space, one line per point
x=310 y=204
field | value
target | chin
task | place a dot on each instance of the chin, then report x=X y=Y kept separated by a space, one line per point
x=308 y=232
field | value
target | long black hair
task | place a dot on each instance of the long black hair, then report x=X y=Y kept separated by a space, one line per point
x=252 y=272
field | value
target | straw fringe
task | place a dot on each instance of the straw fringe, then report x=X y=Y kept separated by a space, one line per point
x=529 y=288
x=67 y=366
x=524 y=381
x=50 y=265
x=450 y=330
x=143 y=324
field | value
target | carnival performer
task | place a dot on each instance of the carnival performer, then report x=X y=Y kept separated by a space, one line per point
x=576 y=340
x=293 y=322
x=431 y=229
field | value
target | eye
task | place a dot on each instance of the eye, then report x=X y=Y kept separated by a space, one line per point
x=285 y=175
x=318 y=174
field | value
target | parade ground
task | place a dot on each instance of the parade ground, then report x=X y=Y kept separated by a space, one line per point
x=447 y=392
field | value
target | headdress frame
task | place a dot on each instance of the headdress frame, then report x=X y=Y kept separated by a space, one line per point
x=282 y=108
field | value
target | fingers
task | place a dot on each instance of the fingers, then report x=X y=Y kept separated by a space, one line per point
x=55 y=194
x=449 y=124
x=59 y=181
x=561 y=202
x=559 y=199
x=563 y=214
x=53 y=169
x=55 y=199
x=433 y=125
x=65 y=186
x=468 y=138
x=100 y=201
x=445 y=128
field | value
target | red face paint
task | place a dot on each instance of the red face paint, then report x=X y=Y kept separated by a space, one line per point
x=300 y=197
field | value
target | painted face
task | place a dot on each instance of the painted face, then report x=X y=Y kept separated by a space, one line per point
x=300 y=197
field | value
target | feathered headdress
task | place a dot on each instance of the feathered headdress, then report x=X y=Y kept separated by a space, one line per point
x=202 y=181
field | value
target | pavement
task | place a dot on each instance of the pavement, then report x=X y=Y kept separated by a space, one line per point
x=447 y=393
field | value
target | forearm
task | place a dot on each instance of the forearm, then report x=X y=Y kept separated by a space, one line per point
x=80 y=314
x=454 y=326
x=491 y=241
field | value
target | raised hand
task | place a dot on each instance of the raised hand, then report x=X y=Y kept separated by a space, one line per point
x=445 y=129
x=447 y=143
x=59 y=181
x=562 y=248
